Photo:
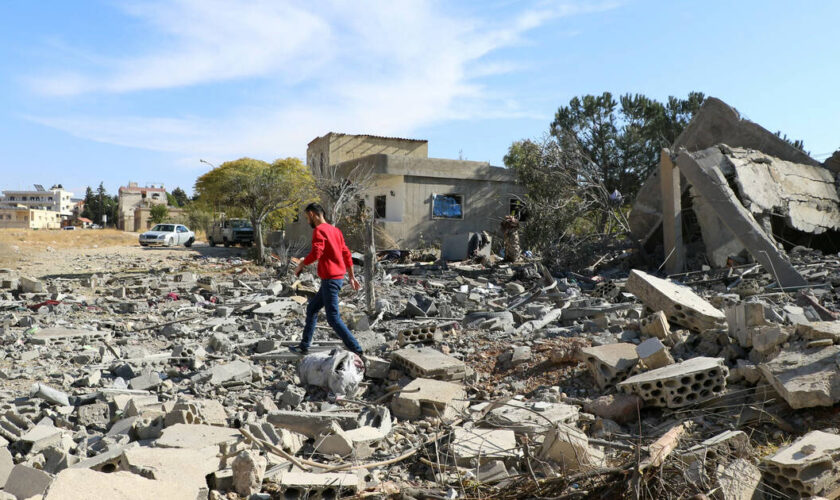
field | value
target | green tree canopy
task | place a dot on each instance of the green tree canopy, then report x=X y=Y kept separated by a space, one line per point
x=258 y=190
x=158 y=213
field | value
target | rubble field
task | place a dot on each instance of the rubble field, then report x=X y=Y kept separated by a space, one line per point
x=165 y=373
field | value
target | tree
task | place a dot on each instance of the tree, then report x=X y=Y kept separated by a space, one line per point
x=258 y=190
x=180 y=197
x=623 y=138
x=340 y=191
x=99 y=203
x=158 y=213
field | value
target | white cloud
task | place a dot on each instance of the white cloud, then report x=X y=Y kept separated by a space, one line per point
x=374 y=67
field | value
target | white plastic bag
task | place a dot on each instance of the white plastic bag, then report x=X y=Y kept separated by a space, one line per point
x=338 y=371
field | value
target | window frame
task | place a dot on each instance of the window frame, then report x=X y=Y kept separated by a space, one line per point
x=376 y=214
x=463 y=203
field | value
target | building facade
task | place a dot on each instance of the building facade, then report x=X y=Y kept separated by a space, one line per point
x=416 y=200
x=56 y=199
x=131 y=198
x=29 y=218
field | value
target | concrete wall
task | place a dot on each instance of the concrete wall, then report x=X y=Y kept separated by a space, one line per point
x=409 y=185
x=142 y=218
x=334 y=148
x=132 y=199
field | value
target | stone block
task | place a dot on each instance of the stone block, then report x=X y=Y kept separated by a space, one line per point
x=570 y=447
x=681 y=305
x=426 y=397
x=738 y=480
x=310 y=485
x=653 y=354
x=31 y=285
x=41 y=437
x=248 y=470
x=377 y=368
x=24 y=482
x=767 y=339
x=681 y=384
x=86 y=484
x=609 y=363
x=656 y=325
x=621 y=408
x=805 y=377
x=741 y=318
x=476 y=446
x=808 y=467
x=429 y=363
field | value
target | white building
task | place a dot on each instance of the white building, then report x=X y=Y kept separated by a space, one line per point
x=55 y=199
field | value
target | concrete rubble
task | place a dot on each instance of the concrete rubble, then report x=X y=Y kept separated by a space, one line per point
x=481 y=377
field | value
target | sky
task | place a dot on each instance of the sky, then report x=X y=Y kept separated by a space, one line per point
x=115 y=91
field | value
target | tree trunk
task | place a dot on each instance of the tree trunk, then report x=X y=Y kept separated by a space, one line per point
x=259 y=240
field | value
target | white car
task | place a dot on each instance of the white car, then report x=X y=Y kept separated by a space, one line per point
x=168 y=235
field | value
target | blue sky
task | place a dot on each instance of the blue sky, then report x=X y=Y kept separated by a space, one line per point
x=118 y=90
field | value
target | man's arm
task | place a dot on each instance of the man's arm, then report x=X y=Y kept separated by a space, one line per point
x=318 y=244
x=348 y=264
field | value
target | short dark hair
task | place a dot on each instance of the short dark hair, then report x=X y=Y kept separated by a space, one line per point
x=315 y=208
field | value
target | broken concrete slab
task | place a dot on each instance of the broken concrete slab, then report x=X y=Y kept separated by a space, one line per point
x=806 y=468
x=681 y=384
x=248 y=472
x=427 y=397
x=63 y=336
x=609 y=363
x=86 y=484
x=196 y=437
x=819 y=330
x=476 y=446
x=427 y=362
x=527 y=417
x=234 y=371
x=805 y=378
x=25 y=482
x=656 y=325
x=6 y=465
x=312 y=424
x=178 y=465
x=681 y=305
x=703 y=172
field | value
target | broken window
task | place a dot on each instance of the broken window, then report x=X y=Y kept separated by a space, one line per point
x=448 y=206
x=379 y=204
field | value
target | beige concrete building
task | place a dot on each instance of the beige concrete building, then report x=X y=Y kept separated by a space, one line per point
x=29 y=218
x=55 y=199
x=131 y=198
x=143 y=222
x=416 y=199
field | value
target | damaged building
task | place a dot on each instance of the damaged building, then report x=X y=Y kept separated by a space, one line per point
x=415 y=199
x=731 y=190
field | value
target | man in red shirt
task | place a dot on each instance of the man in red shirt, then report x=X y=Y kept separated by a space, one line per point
x=333 y=256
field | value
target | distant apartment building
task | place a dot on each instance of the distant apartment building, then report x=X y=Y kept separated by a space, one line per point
x=29 y=218
x=133 y=199
x=56 y=199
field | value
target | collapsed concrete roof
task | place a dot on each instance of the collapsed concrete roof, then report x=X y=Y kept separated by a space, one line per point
x=715 y=123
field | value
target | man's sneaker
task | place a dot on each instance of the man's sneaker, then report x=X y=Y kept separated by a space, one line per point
x=299 y=349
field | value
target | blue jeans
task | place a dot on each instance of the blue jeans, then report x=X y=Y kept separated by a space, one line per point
x=327 y=298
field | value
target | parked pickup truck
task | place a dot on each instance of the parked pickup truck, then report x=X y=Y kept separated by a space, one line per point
x=168 y=235
x=231 y=232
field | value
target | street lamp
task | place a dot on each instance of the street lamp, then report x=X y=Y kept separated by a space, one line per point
x=207 y=162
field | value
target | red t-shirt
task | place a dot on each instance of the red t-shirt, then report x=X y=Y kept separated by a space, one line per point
x=329 y=249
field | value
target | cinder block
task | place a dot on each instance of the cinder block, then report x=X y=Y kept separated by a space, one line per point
x=609 y=363
x=429 y=363
x=427 y=397
x=679 y=385
x=420 y=335
x=313 y=486
x=681 y=305
x=807 y=468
